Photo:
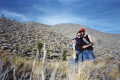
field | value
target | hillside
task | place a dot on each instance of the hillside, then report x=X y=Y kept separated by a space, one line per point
x=103 y=41
x=23 y=58
x=22 y=38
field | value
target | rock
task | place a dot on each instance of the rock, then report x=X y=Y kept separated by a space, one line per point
x=21 y=36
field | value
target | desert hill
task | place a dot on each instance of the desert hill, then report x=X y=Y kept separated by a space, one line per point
x=22 y=38
x=102 y=39
x=19 y=59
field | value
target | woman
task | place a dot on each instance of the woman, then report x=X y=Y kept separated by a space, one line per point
x=83 y=46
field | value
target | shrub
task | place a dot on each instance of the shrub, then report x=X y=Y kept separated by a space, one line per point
x=39 y=46
x=64 y=56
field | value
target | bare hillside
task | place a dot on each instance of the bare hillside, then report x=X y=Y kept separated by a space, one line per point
x=103 y=40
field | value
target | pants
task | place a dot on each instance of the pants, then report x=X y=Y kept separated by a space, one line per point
x=84 y=55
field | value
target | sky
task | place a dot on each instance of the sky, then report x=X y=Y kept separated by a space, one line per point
x=103 y=15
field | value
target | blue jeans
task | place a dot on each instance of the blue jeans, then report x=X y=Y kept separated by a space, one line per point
x=88 y=55
x=78 y=55
x=84 y=55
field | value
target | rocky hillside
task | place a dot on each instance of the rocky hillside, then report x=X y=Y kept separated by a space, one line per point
x=22 y=38
x=103 y=41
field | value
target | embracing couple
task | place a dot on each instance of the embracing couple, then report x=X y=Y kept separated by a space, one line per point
x=83 y=46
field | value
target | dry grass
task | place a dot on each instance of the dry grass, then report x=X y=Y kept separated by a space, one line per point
x=62 y=70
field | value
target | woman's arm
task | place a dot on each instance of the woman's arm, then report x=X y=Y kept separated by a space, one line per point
x=91 y=42
x=91 y=38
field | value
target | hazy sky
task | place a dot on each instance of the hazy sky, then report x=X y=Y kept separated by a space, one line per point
x=103 y=15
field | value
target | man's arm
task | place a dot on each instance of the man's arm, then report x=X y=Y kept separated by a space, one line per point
x=85 y=46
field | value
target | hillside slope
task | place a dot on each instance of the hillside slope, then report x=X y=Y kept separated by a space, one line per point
x=22 y=38
x=102 y=40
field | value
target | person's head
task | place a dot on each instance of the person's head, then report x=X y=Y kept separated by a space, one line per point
x=81 y=32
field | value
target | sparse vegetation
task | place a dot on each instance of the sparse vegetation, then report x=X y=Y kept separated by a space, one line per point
x=17 y=39
x=64 y=56
x=39 y=46
x=62 y=70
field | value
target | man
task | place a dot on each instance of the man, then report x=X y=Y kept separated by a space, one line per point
x=83 y=46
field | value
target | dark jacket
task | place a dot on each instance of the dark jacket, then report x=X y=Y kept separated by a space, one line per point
x=80 y=42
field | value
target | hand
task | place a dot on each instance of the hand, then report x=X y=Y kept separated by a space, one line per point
x=91 y=44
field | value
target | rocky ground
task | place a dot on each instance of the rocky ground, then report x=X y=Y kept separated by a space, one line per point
x=105 y=43
x=22 y=38
x=22 y=56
